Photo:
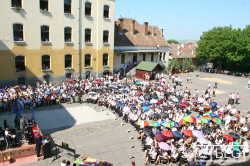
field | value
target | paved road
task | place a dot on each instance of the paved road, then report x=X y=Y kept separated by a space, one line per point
x=107 y=139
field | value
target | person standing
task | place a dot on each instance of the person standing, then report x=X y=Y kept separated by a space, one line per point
x=214 y=89
x=238 y=97
x=248 y=83
x=227 y=121
x=233 y=97
x=230 y=99
x=236 y=149
x=215 y=84
x=38 y=145
x=22 y=123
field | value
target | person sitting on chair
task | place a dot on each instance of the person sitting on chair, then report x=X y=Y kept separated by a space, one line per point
x=28 y=135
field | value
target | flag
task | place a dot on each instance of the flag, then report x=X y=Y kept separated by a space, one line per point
x=33 y=113
x=18 y=107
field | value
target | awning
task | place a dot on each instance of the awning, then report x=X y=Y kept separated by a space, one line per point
x=138 y=51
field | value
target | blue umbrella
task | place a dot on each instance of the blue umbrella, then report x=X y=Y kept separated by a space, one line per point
x=144 y=104
x=156 y=131
x=175 y=100
x=118 y=102
x=62 y=90
x=127 y=89
x=121 y=105
x=145 y=107
x=48 y=93
x=214 y=115
x=148 y=103
x=91 y=93
x=177 y=134
x=213 y=104
x=198 y=116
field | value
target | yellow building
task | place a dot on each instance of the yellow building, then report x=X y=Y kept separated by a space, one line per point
x=51 y=40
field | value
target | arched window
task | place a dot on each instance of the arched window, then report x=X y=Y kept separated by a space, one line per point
x=105 y=36
x=87 y=9
x=45 y=62
x=106 y=11
x=87 y=35
x=87 y=60
x=16 y=3
x=44 y=5
x=67 y=6
x=68 y=61
x=18 y=32
x=20 y=63
x=45 y=33
x=105 y=59
x=67 y=34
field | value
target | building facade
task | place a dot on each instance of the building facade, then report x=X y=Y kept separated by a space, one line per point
x=135 y=42
x=51 y=40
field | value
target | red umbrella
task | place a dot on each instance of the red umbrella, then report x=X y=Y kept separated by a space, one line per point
x=183 y=104
x=188 y=133
x=138 y=92
x=70 y=80
x=98 y=81
x=228 y=137
x=167 y=133
x=159 y=137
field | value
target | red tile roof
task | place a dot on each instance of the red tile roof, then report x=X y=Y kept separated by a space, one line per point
x=183 y=52
x=138 y=39
x=189 y=43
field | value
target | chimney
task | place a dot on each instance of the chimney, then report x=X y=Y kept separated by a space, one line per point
x=161 y=32
x=146 y=28
x=133 y=27
x=178 y=52
x=182 y=45
x=153 y=31
x=178 y=47
x=121 y=25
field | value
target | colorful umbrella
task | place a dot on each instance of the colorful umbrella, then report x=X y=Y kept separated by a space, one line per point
x=214 y=115
x=207 y=113
x=205 y=120
x=198 y=133
x=155 y=124
x=143 y=123
x=163 y=123
x=182 y=122
x=228 y=137
x=198 y=120
x=167 y=133
x=175 y=100
x=206 y=116
x=206 y=106
x=195 y=101
x=187 y=133
x=173 y=124
x=189 y=118
x=177 y=134
x=216 y=120
x=198 y=116
x=164 y=146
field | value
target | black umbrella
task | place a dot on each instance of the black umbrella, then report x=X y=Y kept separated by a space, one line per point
x=155 y=116
x=147 y=131
x=234 y=135
x=155 y=97
x=206 y=130
x=179 y=97
x=132 y=105
x=167 y=93
x=164 y=114
x=178 y=106
x=147 y=96
x=164 y=107
x=99 y=90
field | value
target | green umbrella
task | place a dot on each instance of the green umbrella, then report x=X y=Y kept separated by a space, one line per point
x=138 y=82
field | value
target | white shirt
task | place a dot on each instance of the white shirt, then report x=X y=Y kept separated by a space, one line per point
x=228 y=119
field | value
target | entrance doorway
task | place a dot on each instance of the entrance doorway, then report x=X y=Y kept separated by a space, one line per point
x=21 y=81
x=134 y=57
x=68 y=75
x=87 y=75
x=47 y=79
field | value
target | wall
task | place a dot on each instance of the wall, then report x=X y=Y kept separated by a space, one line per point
x=32 y=18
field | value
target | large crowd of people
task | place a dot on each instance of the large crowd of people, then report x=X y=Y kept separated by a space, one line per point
x=162 y=115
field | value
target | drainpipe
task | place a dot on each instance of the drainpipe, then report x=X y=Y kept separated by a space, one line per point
x=80 y=38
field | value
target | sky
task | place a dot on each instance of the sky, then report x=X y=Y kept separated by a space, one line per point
x=186 y=19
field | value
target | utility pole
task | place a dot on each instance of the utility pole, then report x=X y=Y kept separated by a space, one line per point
x=80 y=38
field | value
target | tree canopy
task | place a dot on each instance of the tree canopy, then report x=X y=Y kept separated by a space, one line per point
x=226 y=48
x=170 y=41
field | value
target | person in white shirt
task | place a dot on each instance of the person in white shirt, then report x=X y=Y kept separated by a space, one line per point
x=227 y=121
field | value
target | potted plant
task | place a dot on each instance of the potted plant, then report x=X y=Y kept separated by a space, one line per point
x=18 y=9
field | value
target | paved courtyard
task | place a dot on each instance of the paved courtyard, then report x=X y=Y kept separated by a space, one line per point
x=97 y=135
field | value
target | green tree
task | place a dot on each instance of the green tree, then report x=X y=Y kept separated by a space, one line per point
x=190 y=65
x=172 y=41
x=170 y=65
x=185 y=64
x=175 y=64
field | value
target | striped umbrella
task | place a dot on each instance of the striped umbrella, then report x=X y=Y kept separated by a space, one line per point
x=155 y=124
x=143 y=123
x=198 y=120
x=216 y=120
x=189 y=118
x=205 y=120
x=173 y=124
x=206 y=116
x=182 y=122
